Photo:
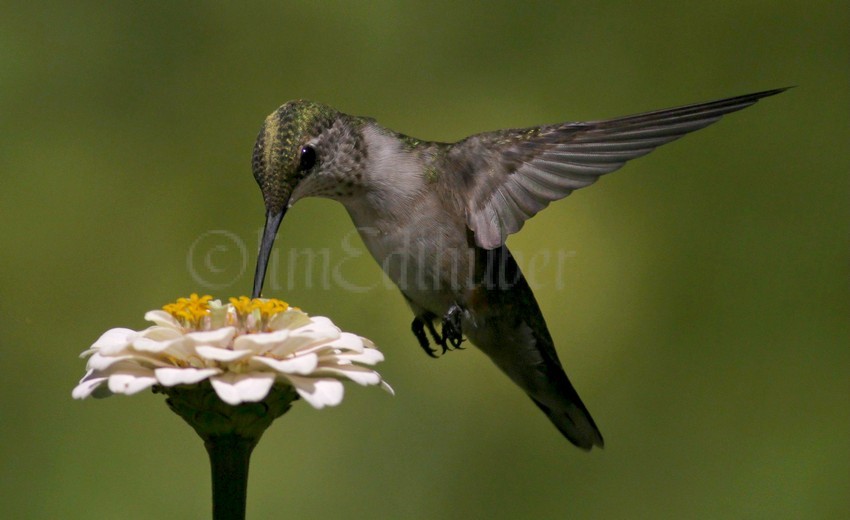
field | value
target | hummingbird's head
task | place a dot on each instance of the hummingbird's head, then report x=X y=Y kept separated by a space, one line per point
x=303 y=149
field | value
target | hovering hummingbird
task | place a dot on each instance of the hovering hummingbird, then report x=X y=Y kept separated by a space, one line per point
x=435 y=216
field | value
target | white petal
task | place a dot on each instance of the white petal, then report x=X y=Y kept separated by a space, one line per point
x=222 y=354
x=157 y=347
x=216 y=338
x=322 y=321
x=113 y=341
x=218 y=314
x=296 y=365
x=87 y=386
x=130 y=382
x=306 y=339
x=181 y=349
x=319 y=327
x=318 y=392
x=131 y=361
x=238 y=388
x=262 y=342
x=360 y=375
x=159 y=333
x=84 y=354
x=289 y=319
x=101 y=363
x=325 y=333
x=183 y=376
x=348 y=341
x=369 y=356
x=297 y=344
x=163 y=319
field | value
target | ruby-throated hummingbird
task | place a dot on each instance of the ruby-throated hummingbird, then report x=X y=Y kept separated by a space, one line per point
x=435 y=216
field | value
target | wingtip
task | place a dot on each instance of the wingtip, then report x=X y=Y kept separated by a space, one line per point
x=772 y=92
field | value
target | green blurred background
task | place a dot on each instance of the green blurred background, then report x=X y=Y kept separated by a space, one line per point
x=698 y=297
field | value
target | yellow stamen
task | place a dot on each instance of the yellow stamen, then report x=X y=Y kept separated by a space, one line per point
x=270 y=307
x=242 y=305
x=190 y=311
x=267 y=307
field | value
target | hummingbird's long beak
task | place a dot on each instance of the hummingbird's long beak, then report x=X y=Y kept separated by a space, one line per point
x=273 y=221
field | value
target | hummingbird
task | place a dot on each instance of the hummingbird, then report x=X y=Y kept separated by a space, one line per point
x=436 y=215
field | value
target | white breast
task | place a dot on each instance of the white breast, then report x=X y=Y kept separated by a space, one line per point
x=406 y=228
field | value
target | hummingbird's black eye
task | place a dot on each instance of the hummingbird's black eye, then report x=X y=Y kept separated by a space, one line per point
x=308 y=158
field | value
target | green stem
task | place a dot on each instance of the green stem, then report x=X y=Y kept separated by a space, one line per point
x=229 y=458
x=230 y=434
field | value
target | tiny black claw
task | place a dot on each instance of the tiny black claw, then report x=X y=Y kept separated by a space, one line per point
x=448 y=339
x=452 y=330
x=418 y=328
x=438 y=338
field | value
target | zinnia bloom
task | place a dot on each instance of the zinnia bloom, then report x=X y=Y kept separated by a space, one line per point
x=243 y=348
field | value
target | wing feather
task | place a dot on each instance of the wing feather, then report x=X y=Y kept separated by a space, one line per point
x=511 y=175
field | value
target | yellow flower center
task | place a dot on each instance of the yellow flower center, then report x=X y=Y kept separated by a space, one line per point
x=195 y=312
x=270 y=307
x=267 y=307
x=242 y=305
x=190 y=311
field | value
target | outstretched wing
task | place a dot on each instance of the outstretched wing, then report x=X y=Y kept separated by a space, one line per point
x=510 y=175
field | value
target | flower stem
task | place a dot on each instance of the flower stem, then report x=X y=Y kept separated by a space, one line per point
x=229 y=458
x=230 y=434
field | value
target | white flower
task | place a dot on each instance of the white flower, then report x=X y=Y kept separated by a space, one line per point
x=243 y=348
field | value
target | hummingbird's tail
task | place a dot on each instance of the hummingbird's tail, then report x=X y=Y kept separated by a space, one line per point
x=573 y=420
x=505 y=322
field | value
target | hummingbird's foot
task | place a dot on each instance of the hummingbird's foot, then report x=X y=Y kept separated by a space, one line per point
x=452 y=330
x=418 y=328
x=449 y=339
x=438 y=338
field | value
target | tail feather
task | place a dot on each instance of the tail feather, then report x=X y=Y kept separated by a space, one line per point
x=575 y=423
x=505 y=322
